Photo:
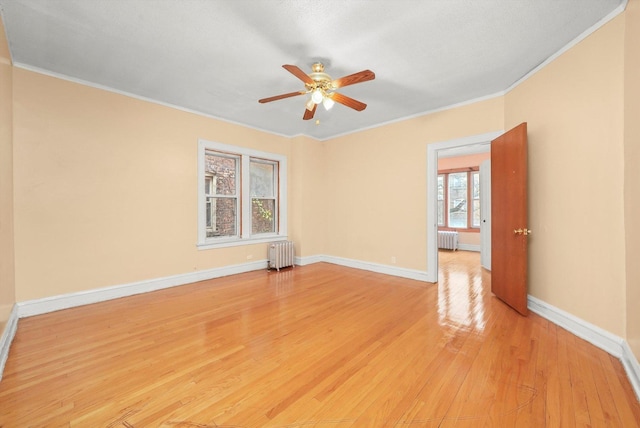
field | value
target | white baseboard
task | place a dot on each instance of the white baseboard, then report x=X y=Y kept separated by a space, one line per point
x=309 y=260
x=632 y=367
x=589 y=332
x=369 y=266
x=7 y=337
x=610 y=343
x=65 y=301
x=593 y=334
x=469 y=247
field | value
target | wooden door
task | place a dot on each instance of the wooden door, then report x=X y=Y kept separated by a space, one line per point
x=509 y=232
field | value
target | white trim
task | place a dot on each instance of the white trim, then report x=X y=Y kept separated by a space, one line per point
x=469 y=247
x=238 y=242
x=432 y=193
x=7 y=337
x=309 y=260
x=632 y=367
x=417 y=275
x=65 y=301
x=379 y=268
x=593 y=334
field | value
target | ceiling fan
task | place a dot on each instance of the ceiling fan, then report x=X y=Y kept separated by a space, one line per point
x=323 y=89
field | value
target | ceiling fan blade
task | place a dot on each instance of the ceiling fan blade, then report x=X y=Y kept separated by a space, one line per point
x=308 y=114
x=347 y=101
x=279 y=97
x=296 y=71
x=361 y=76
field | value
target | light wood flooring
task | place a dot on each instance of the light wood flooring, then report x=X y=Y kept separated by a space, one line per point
x=314 y=346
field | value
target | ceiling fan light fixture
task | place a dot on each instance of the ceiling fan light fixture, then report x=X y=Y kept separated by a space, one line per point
x=327 y=103
x=317 y=96
x=310 y=104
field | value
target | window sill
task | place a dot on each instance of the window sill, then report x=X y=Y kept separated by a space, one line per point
x=459 y=229
x=224 y=243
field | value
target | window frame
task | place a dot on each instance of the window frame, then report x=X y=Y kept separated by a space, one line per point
x=445 y=172
x=244 y=234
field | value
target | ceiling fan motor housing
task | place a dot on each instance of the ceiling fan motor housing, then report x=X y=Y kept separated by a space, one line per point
x=322 y=80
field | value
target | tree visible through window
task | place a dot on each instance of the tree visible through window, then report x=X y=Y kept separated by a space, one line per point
x=264 y=187
x=458 y=192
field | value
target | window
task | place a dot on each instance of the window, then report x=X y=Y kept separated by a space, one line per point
x=241 y=196
x=459 y=199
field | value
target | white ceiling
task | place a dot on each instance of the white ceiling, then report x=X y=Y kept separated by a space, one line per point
x=218 y=57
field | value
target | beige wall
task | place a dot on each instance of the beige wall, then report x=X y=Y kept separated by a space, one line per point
x=309 y=189
x=469 y=238
x=7 y=284
x=463 y=161
x=632 y=172
x=377 y=184
x=573 y=107
x=105 y=188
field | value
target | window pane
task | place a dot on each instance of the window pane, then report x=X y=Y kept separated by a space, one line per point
x=210 y=216
x=440 y=200
x=476 y=185
x=223 y=169
x=221 y=217
x=458 y=199
x=476 y=213
x=476 y=199
x=262 y=179
x=262 y=216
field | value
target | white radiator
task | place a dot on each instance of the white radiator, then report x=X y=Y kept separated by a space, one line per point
x=448 y=240
x=281 y=254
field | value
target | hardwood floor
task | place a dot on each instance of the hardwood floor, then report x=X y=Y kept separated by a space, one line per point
x=315 y=346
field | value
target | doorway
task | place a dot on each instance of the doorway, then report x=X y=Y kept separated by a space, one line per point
x=459 y=147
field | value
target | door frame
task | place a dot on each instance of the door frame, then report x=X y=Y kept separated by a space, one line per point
x=432 y=192
x=485 y=214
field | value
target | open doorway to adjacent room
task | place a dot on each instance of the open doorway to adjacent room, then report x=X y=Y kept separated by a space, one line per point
x=463 y=243
x=459 y=221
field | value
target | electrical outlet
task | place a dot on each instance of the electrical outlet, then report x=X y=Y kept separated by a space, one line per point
x=249 y=256
x=393 y=260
